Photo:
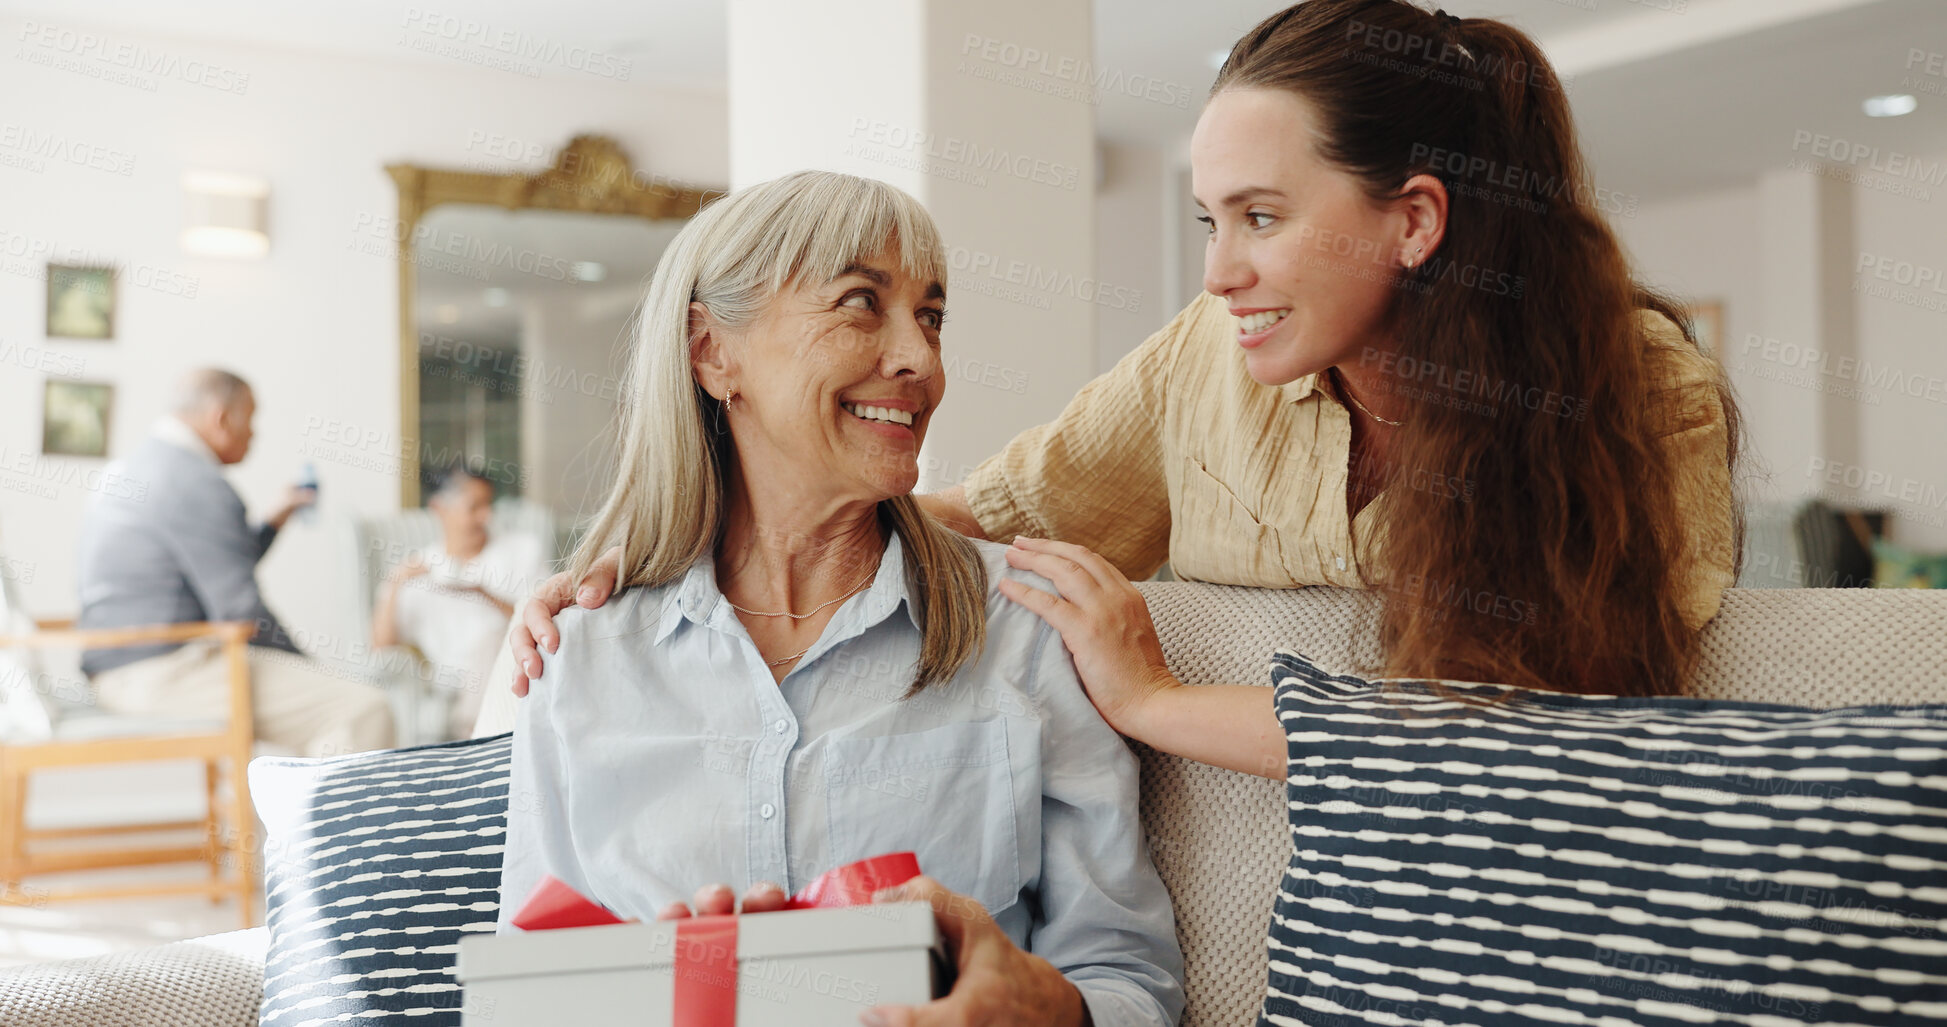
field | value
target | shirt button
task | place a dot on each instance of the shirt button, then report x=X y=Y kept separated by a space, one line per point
x=782 y=726
x=1341 y=563
x=767 y=811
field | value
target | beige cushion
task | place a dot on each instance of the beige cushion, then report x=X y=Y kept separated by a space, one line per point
x=215 y=981
x=1220 y=840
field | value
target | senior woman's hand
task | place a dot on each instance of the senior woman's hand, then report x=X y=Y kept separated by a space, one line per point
x=717 y=900
x=997 y=983
x=1102 y=620
x=535 y=625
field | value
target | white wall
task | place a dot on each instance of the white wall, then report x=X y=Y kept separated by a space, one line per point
x=780 y=123
x=1865 y=422
x=1903 y=437
x=1705 y=248
x=1132 y=242
x=1192 y=238
x=314 y=326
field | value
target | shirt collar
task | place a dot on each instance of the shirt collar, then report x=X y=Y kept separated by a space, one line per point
x=172 y=430
x=697 y=597
x=1302 y=389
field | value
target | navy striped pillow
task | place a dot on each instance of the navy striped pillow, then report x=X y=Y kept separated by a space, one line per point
x=374 y=866
x=1554 y=859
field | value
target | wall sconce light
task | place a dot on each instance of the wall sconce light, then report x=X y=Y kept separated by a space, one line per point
x=223 y=215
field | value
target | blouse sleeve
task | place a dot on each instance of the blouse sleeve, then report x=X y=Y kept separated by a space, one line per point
x=539 y=843
x=1696 y=438
x=1105 y=919
x=1095 y=474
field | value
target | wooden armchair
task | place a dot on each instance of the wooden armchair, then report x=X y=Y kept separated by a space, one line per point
x=105 y=739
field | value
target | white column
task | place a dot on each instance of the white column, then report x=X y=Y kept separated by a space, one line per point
x=1840 y=413
x=1805 y=252
x=1136 y=235
x=983 y=112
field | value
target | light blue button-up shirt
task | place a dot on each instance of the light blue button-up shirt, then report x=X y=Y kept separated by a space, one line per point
x=656 y=754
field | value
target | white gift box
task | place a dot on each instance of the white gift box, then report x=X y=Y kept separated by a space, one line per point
x=801 y=968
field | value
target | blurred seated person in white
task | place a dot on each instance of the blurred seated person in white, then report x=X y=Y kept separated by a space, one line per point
x=176 y=547
x=452 y=602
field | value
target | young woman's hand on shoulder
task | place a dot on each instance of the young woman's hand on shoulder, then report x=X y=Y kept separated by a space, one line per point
x=1106 y=626
x=1102 y=620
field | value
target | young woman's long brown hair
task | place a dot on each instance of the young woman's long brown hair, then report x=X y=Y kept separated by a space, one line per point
x=1574 y=523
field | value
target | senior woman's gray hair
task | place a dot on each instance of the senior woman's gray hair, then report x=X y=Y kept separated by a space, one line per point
x=666 y=507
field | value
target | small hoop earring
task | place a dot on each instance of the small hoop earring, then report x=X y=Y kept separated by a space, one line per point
x=722 y=413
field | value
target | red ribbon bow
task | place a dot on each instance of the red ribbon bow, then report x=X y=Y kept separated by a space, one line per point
x=706 y=946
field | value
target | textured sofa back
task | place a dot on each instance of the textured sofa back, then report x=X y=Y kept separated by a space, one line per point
x=1220 y=839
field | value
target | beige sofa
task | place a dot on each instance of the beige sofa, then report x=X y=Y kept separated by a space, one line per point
x=1218 y=837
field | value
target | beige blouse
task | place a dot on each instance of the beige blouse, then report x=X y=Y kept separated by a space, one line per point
x=1178 y=454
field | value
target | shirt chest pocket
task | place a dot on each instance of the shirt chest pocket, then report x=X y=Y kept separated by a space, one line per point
x=946 y=794
x=1216 y=536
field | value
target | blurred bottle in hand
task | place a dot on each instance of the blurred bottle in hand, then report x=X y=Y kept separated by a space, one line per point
x=307 y=480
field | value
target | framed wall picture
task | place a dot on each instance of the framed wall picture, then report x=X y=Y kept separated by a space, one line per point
x=80 y=302
x=1707 y=324
x=75 y=418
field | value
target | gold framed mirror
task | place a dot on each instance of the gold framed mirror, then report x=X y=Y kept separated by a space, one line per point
x=592 y=175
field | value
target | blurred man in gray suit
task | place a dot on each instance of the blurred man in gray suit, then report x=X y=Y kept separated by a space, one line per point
x=182 y=550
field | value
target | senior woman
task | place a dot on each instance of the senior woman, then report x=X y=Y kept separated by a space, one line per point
x=804 y=669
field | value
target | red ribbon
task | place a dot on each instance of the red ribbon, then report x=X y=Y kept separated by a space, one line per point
x=554 y=904
x=706 y=972
x=706 y=946
x=854 y=883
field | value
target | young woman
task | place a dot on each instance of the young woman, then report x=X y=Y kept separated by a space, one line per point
x=1536 y=456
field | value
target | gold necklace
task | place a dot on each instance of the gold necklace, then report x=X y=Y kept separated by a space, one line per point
x=1347 y=391
x=813 y=610
x=781 y=661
